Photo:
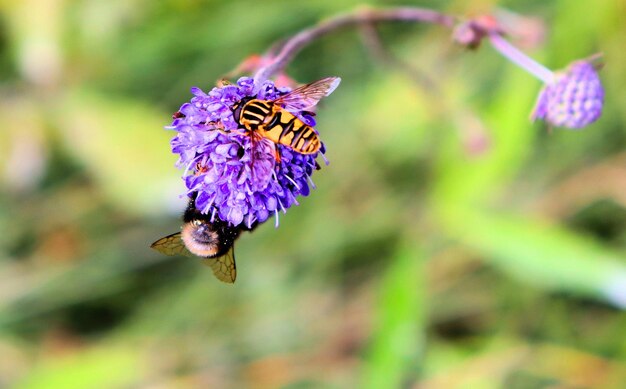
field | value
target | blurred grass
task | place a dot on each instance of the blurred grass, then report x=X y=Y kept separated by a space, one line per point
x=398 y=340
x=450 y=243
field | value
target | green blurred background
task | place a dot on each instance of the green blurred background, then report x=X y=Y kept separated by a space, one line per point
x=451 y=243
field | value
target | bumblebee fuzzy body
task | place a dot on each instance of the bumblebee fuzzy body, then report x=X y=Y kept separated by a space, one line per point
x=205 y=238
x=213 y=241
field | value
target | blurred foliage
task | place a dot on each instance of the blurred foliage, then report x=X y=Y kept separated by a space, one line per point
x=450 y=243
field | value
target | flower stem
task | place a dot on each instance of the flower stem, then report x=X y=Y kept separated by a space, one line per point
x=519 y=58
x=361 y=15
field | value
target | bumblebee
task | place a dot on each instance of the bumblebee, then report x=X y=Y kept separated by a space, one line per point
x=213 y=241
x=271 y=119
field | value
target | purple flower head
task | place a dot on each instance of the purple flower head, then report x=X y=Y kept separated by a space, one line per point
x=232 y=177
x=573 y=99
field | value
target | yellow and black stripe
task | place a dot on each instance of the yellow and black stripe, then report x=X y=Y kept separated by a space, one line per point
x=278 y=125
x=254 y=113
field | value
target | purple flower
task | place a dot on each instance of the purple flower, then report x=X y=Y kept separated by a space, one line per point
x=231 y=177
x=573 y=99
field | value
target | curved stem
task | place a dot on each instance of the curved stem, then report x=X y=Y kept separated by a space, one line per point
x=359 y=16
x=522 y=60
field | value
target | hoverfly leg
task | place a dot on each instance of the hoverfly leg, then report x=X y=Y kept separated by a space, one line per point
x=239 y=131
x=276 y=154
x=254 y=138
x=230 y=132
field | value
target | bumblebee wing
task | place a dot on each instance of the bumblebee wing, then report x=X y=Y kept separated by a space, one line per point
x=223 y=266
x=308 y=95
x=171 y=245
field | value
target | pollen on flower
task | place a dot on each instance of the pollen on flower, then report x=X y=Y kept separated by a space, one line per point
x=574 y=99
x=233 y=177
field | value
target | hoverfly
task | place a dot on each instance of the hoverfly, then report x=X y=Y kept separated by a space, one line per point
x=271 y=119
x=213 y=241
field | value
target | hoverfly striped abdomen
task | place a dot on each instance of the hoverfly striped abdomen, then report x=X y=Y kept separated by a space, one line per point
x=287 y=129
x=280 y=126
x=272 y=119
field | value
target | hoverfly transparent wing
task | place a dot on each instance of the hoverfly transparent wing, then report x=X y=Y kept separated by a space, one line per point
x=308 y=95
x=171 y=245
x=223 y=266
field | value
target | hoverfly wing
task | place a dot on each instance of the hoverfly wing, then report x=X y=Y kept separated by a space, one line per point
x=223 y=266
x=308 y=95
x=171 y=245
